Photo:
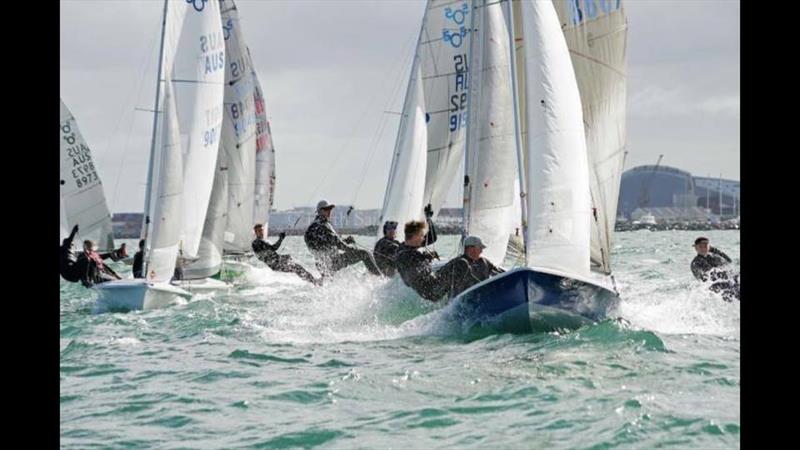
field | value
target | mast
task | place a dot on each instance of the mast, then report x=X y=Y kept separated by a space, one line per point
x=146 y=222
x=471 y=87
x=517 y=128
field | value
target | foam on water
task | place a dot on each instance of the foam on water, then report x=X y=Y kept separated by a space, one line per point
x=364 y=362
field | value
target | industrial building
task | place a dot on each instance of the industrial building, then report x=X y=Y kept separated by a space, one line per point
x=676 y=194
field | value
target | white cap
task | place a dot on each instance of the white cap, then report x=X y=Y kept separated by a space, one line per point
x=323 y=204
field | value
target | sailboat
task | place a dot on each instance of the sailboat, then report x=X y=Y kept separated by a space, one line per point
x=244 y=179
x=557 y=122
x=82 y=200
x=181 y=168
x=228 y=227
x=235 y=264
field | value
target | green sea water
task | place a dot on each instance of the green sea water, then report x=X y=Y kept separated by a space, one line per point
x=364 y=363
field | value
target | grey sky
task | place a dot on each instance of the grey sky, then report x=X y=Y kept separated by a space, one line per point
x=329 y=68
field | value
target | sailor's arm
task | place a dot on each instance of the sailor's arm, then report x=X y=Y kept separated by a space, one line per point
x=720 y=253
x=494 y=270
x=274 y=247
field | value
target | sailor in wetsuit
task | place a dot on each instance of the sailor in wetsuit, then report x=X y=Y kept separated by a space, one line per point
x=267 y=253
x=90 y=264
x=138 y=261
x=468 y=269
x=414 y=266
x=710 y=264
x=330 y=251
x=386 y=249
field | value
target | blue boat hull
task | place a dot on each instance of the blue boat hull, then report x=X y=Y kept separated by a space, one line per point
x=524 y=300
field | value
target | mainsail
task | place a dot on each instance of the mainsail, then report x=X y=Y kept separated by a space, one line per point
x=596 y=34
x=265 y=160
x=443 y=50
x=238 y=132
x=82 y=200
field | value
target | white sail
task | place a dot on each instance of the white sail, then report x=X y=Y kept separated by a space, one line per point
x=596 y=34
x=167 y=197
x=403 y=199
x=491 y=151
x=558 y=175
x=238 y=132
x=265 y=160
x=82 y=200
x=209 y=254
x=195 y=50
x=443 y=51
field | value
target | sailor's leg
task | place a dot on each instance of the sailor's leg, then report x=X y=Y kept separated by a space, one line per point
x=295 y=268
x=353 y=256
x=104 y=277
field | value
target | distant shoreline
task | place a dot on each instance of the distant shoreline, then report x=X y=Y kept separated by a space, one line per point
x=453 y=230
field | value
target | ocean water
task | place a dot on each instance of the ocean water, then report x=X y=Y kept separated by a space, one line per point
x=364 y=363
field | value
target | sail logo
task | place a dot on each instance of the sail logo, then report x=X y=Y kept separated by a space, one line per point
x=83 y=171
x=215 y=44
x=581 y=10
x=455 y=36
x=458 y=100
x=195 y=3
x=226 y=29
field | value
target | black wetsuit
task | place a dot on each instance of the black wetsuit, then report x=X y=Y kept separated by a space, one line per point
x=331 y=253
x=415 y=269
x=138 y=264
x=90 y=274
x=461 y=272
x=385 y=253
x=267 y=253
x=711 y=267
x=68 y=267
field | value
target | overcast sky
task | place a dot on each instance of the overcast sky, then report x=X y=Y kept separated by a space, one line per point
x=330 y=68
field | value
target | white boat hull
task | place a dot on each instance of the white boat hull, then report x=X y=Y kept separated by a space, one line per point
x=202 y=285
x=137 y=294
